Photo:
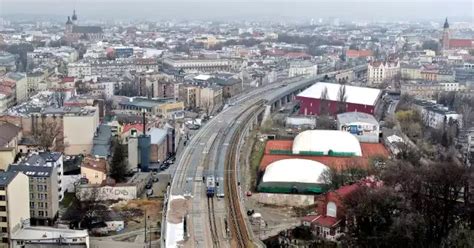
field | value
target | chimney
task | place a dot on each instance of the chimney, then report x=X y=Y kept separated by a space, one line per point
x=144 y=121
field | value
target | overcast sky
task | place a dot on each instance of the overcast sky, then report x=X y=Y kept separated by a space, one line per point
x=370 y=10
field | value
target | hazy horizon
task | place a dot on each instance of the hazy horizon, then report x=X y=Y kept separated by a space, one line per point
x=368 y=10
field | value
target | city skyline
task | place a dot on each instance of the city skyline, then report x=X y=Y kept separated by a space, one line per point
x=263 y=10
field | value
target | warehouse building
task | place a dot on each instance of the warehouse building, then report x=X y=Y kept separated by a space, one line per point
x=294 y=176
x=358 y=99
x=363 y=126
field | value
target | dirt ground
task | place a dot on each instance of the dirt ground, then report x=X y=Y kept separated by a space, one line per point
x=274 y=218
x=153 y=209
x=177 y=210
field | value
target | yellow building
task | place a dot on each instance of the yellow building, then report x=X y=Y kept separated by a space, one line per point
x=94 y=169
x=14 y=204
x=168 y=109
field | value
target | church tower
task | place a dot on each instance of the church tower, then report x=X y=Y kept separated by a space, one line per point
x=445 y=38
x=74 y=17
x=69 y=25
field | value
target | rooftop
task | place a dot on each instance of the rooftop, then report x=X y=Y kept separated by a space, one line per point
x=356 y=95
x=7 y=132
x=47 y=233
x=350 y=117
x=101 y=141
x=95 y=164
x=6 y=177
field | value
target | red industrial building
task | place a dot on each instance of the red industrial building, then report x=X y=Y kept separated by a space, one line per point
x=358 y=99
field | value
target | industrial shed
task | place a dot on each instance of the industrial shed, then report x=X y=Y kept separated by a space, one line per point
x=359 y=99
x=326 y=143
x=363 y=126
x=294 y=176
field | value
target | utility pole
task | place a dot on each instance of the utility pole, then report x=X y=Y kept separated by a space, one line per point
x=145 y=225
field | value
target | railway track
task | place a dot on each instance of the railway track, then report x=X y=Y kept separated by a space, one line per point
x=238 y=225
x=212 y=222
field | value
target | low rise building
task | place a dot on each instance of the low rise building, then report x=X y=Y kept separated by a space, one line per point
x=39 y=236
x=436 y=116
x=94 y=170
x=303 y=68
x=363 y=126
x=378 y=71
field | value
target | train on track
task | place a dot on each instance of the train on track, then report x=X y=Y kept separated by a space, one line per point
x=210 y=186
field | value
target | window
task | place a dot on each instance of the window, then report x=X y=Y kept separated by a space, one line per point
x=45 y=205
x=40 y=187
x=45 y=188
x=331 y=209
x=4 y=229
x=3 y=208
x=3 y=219
x=2 y=187
x=32 y=205
x=40 y=205
x=41 y=213
x=32 y=196
x=2 y=198
x=32 y=212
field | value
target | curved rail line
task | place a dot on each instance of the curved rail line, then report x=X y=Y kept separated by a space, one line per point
x=238 y=225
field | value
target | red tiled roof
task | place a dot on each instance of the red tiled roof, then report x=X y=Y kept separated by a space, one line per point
x=285 y=145
x=295 y=55
x=128 y=127
x=67 y=80
x=310 y=218
x=346 y=190
x=460 y=43
x=358 y=53
x=326 y=221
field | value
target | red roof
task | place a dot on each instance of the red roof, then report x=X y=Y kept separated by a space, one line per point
x=326 y=221
x=299 y=55
x=344 y=191
x=128 y=127
x=338 y=163
x=68 y=80
x=460 y=43
x=358 y=53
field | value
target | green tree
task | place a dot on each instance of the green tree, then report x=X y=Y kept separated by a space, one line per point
x=118 y=169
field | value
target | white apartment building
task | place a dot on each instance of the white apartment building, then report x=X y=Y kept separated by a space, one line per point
x=305 y=68
x=450 y=86
x=202 y=65
x=380 y=71
x=14 y=204
x=79 y=69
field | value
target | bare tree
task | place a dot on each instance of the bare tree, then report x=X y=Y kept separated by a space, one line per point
x=324 y=103
x=48 y=134
x=341 y=98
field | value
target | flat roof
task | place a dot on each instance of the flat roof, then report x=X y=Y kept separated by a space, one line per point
x=350 y=117
x=47 y=233
x=356 y=95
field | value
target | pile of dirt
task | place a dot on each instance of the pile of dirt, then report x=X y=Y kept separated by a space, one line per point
x=177 y=210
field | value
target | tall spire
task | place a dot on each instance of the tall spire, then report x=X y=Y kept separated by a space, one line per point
x=74 y=16
x=68 y=20
x=446 y=24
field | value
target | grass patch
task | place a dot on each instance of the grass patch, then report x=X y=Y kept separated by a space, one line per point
x=68 y=198
x=258 y=149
